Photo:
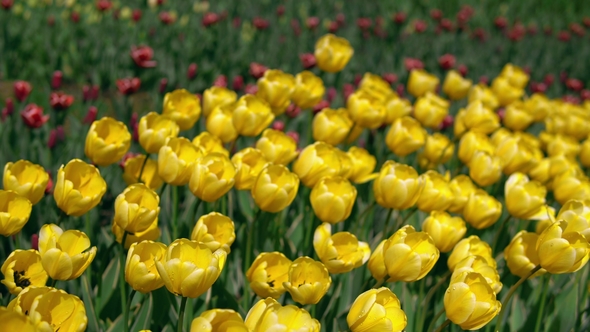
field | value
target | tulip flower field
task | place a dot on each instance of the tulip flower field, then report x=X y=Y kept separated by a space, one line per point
x=256 y=166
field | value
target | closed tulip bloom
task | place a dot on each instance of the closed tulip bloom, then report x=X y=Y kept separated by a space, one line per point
x=212 y=177
x=444 y=230
x=480 y=265
x=248 y=162
x=405 y=136
x=79 y=187
x=421 y=82
x=572 y=184
x=455 y=86
x=563 y=145
x=26 y=179
x=409 y=255
x=183 y=107
x=484 y=94
x=476 y=118
x=561 y=251
x=268 y=273
x=340 y=252
x=11 y=320
x=517 y=116
x=376 y=310
x=220 y=123
x=505 y=92
x=346 y=163
x=365 y=109
x=470 y=301
x=136 y=208
x=539 y=106
x=438 y=150
x=277 y=147
x=542 y=224
x=316 y=161
x=189 y=268
x=472 y=142
x=525 y=199
x=64 y=255
x=332 y=199
x=269 y=315
x=309 y=90
x=209 y=144
x=219 y=320
x=577 y=214
x=275 y=188
x=363 y=165
x=150 y=176
x=484 y=168
x=436 y=195
x=215 y=230
x=376 y=264
x=515 y=75
x=107 y=141
x=251 y=115
x=332 y=53
x=376 y=86
x=51 y=309
x=152 y=233
x=176 y=159
x=398 y=186
x=517 y=155
x=276 y=87
x=217 y=96
x=431 y=110
x=15 y=211
x=472 y=245
x=585 y=153
x=396 y=108
x=140 y=269
x=22 y=269
x=461 y=187
x=331 y=126
x=482 y=210
x=308 y=282
x=153 y=131
x=521 y=254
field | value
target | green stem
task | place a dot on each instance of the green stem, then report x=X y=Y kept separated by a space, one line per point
x=181 y=314
x=508 y=296
x=147 y=156
x=53 y=283
x=128 y=307
x=445 y=324
x=436 y=317
x=174 y=212
x=404 y=219
x=386 y=225
x=122 y=284
x=17 y=240
x=546 y=280
x=497 y=235
x=250 y=240
x=197 y=204
x=233 y=144
x=421 y=309
x=379 y=283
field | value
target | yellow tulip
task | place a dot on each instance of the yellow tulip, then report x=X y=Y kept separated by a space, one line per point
x=505 y=92
x=484 y=94
x=331 y=126
x=23 y=269
x=276 y=87
x=79 y=187
x=251 y=115
x=409 y=255
x=107 y=141
x=154 y=129
x=476 y=118
x=26 y=179
x=455 y=86
x=249 y=162
x=517 y=155
x=563 y=145
x=396 y=108
x=517 y=116
x=217 y=96
x=376 y=85
x=268 y=273
x=472 y=245
x=561 y=251
x=15 y=211
x=309 y=90
x=316 y=161
x=209 y=144
x=150 y=176
x=470 y=301
x=64 y=255
x=516 y=76
x=405 y=136
x=572 y=184
x=525 y=199
x=189 y=268
x=577 y=122
x=176 y=159
x=376 y=264
x=521 y=254
x=140 y=269
x=215 y=230
x=340 y=252
x=136 y=208
x=480 y=265
x=11 y=320
x=436 y=195
x=376 y=310
x=542 y=224
x=438 y=150
x=365 y=109
x=275 y=188
x=577 y=214
x=482 y=210
x=431 y=110
x=346 y=163
x=51 y=309
x=470 y=143
x=363 y=164
x=212 y=177
x=308 y=282
x=421 y=82
x=398 y=186
x=461 y=187
x=277 y=147
x=219 y=320
x=332 y=53
x=332 y=199
x=150 y=234
x=183 y=107
x=484 y=168
x=584 y=153
x=269 y=315
x=444 y=230
x=220 y=123
x=539 y=106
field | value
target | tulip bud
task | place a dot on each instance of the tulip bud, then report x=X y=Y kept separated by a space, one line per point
x=398 y=186
x=316 y=161
x=479 y=265
x=366 y=109
x=276 y=87
x=270 y=315
x=562 y=251
x=436 y=194
x=215 y=230
x=268 y=273
x=107 y=141
x=331 y=126
x=212 y=177
x=472 y=245
x=275 y=188
x=332 y=199
x=176 y=159
x=332 y=53
x=455 y=86
x=376 y=309
x=163 y=86
x=238 y=83
x=33 y=116
x=90 y=115
x=307 y=60
x=308 y=281
x=251 y=115
x=26 y=179
x=308 y=91
x=444 y=230
x=521 y=255
x=183 y=107
x=340 y=252
x=56 y=79
x=22 y=89
x=140 y=269
x=405 y=136
x=191 y=73
x=420 y=82
x=249 y=162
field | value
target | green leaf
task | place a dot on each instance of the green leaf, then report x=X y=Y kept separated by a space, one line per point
x=87 y=298
x=143 y=317
x=518 y=314
x=109 y=283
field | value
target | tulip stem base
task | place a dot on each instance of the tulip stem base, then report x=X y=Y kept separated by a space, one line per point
x=497 y=235
x=128 y=307
x=174 y=212
x=404 y=219
x=386 y=225
x=122 y=284
x=506 y=299
x=179 y=328
x=445 y=324
x=546 y=280
x=147 y=156
x=436 y=317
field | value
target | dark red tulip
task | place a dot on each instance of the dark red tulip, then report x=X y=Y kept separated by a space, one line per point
x=347 y=90
x=574 y=84
x=538 y=87
x=389 y=77
x=400 y=89
x=55 y=136
x=341 y=19
x=251 y=89
x=90 y=115
x=577 y=29
x=436 y=14
x=278 y=125
x=136 y=15
x=238 y=83
x=501 y=113
x=22 y=89
x=209 y=19
x=307 y=60
x=260 y=23
x=33 y=116
x=135 y=134
x=500 y=22
x=484 y=80
x=333 y=27
x=480 y=34
x=257 y=70
x=280 y=10
x=420 y=26
x=126 y=157
x=564 y=36
x=446 y=61
x=35 y=242
x=571 y=99
x=320 y=106
x=585 y=94
x=549 y=79
x=294 y=135
x=103 y=5
x=220 y=81
x=75 y=16
x=51 y=20
x=56 y=79
x=49 y=188
x=292 y=111
x=412 y=63
x=562 y=77
x=399 y=17
x=447 y=122
x=446 y=24
x=116 y=14
x=60 y=101
x=142 y=56
x=191 y=73
x=89 y=92
x=363 y=23
x=163 y=85
x=586 y=21
x=8 y=109
x=532 y=29
x=236 y=22
x=312 y=22
x=462 y=18
x=295 y=26
x=357 y=79
x=4 y=114
x=462 y=69
x=547 y=31
x=331 y=94
x=166 y=18
x=6 y=4
x=128 y=86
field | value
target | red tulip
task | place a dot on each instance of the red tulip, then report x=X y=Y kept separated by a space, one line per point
x=56 y=79
x=532 y=29
x=571 y=99
x=436 y=14
x=446 y=24
x=6 y=4
x=446 y=61
x=574 y=84
x=586 y=21
x=517 y=32
x=585 y=94
x=238 y=83
x=60 y=101
x=340 y=19
x=295 y=26
x=447 y=122
x=307 y=60
x=399 y=17
x=400 y=89
x=412 y=63
x=500 y=22
x=75 y=17
x=136 y=15
x=562 y=77
x=163 y=85
x=480 y=34
x=49 y=188
x=257 y=70
x=462 y=69
x=251 y=89
x=236 y=22
x=33 y=116
x=333 y=27
x=209 y=19
x=578 y=29
x=312 y=22
x=501 y=113
x=90 y=115
x=363 y=23
x=55 y=136
x=292 y=111
x=347 y=90
x=320 y=106
x=51 y=20
x=142 y=56
x=191 y=73
x=166 y=18
x=538 y=87
x=35 y=242
x=128 y=86
x=549 y=79
x=260 y=23
x=8 y=109
x=103 y=5
x=126 y=157
x=294 y=135
x=484 y=80
x=280 y=10
x=564 y=36
x=547 y=31
x=278 y=125
x=420 y=26
x=220 y=81
x=389 y=77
